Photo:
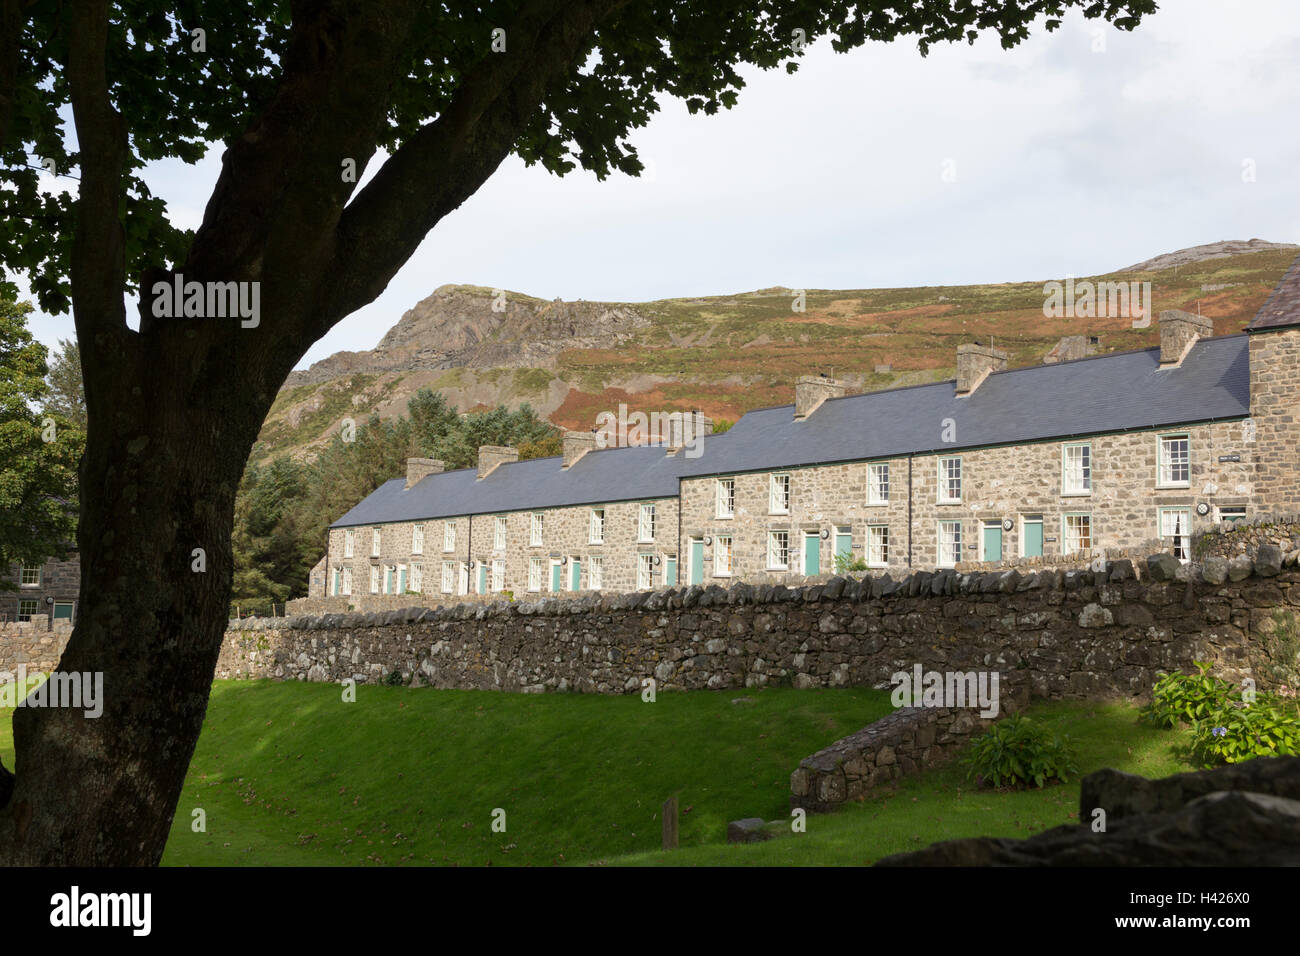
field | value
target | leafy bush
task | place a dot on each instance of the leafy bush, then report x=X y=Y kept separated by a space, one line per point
x=394 y=679
x=1237 y=731
x=1017 y=752
x=1184 y=698
x=845 y=563
x=1227 y=726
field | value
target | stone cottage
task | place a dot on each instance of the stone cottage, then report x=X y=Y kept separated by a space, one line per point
x=1061 y=459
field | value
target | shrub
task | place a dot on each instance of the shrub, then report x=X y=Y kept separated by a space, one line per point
x=844 y=563
x=1227 y=726
x=1017 y=752
x=1184 y=698
x=1237 y=731
x=394 y=679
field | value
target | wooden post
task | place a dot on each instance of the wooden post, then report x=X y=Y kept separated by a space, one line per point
x=670 y=823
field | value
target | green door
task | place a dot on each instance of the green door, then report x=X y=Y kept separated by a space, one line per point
x=844 y=545
x=670 y=576
x=388 y=580
x=482 y=578
x=63 y=610
x=577 y=576
x=993 y=542
x=812 y=554
x=401 y=581
x=1034 y=538
x=697 y=560
x=555 y=575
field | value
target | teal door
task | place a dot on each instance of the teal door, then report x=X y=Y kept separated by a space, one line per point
x=577 y=576
x=993 y=542
x=812 y=554
x=697 y=560
x=401 y=581
x=555 y=575
x=1034 y=538
x=63 y=610
x=482 y=578
x=844 y=545
x=670 y=575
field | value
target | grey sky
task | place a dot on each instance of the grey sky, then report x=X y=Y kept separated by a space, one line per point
x=1063 y=160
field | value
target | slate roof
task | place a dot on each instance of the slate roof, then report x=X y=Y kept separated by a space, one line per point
x=1283 y=306
x=1118 y=392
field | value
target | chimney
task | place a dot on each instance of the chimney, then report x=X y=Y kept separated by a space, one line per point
x=687 y=427
x=1178 y=330
x=974 y=363
x=489 y=456
x=577 y=444
x=811 y=390
x=1072 y=347
x=417 y=468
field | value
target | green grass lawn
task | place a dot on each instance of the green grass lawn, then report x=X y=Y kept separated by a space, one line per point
x=288 y=774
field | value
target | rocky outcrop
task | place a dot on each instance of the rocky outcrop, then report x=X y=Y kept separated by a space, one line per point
x=1211 y=250
x=471 y=327
x=1245 y=814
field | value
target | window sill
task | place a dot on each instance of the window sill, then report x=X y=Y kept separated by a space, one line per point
x=1076 y=494
x=877 y=504
x=729 y=517
x=1174 y=487
x=948 y=501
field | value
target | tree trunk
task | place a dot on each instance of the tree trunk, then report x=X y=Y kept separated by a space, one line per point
x=103 y=791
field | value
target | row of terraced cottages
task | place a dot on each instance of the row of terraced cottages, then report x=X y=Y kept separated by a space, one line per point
x=1103 y=451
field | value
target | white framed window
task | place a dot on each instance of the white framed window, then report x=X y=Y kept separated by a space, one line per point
x=27 y=609
x=1175 y=461
x=448 y=577
x=1176 y=530
x=535 y=529
x=726 y=497
x=498 y=574
x=949 y=480
x=645 y=526
x=722 y=556
x=645 y=571
x=499 y=534
x=417 y=539
x=416 y=581
x=347 y=580
x=596 y=527
x=878 y=483
x=1076 y=533
x=30 y=577
x=949 y=543
x=779 y=494
x=778 y=550
x=375 y=540
x=595 y=572
x=349 y=542
x=536 y=571
x=448 y=536
x=1231 y=512
x=878 y=545
x=374 y=579
x=1076 y=469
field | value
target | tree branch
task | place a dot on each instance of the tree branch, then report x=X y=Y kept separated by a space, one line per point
x=443 y=164
x=12 y=19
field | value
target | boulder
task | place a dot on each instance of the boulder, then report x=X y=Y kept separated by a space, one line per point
x=1215 y=570
x=1162 y=567
x=1268 y=561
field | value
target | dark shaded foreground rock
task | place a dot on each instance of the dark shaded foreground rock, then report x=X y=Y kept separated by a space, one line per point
x=1241 y=815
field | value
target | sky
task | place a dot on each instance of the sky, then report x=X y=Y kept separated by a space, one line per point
x=1079 y=152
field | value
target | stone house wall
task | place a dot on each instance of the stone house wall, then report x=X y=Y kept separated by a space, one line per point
x=1275 y=413
x=60 y=580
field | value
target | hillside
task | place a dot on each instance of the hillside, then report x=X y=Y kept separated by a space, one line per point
x=726 y=354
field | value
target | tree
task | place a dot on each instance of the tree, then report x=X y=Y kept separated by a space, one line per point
x=66 y=397
x=304 y=95
x=38 y=453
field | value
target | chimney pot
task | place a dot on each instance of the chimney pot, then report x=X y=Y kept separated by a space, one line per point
x=811 y=390
x=975 y=362
x=577 y=444
x=418 y=468
x=1178 y=330
x=490 y=456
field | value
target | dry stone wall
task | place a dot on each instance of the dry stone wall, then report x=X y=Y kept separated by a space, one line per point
x=33 y=645
x=1079 y=634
